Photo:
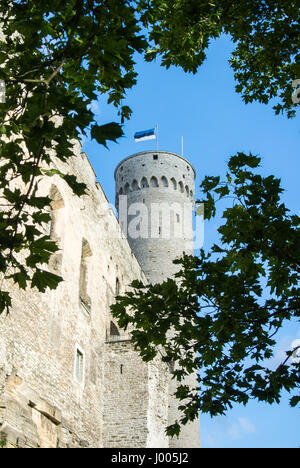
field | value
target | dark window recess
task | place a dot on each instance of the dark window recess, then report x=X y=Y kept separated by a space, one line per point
x=155 y=156
x=79 y=365
x=114 y=329
x=117 y=291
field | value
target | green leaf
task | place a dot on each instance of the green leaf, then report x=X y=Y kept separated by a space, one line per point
x=44 y=279
x=78 y=188
x=5 y=301
x=111 y=131
x=294 y=401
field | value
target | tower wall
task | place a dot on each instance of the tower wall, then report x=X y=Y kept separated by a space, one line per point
x=136 y=399
x=151 y=180
x=156 y=179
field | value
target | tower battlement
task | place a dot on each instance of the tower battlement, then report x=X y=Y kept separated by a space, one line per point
x=154 y=197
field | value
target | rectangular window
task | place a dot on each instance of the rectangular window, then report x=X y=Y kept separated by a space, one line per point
x=79 y=371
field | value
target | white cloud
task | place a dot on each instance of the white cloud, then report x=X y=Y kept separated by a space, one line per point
x=283 y=345
x=246 y=425
x=296 y=353
x=209 y=439
x=242 y=427
x=94 y=107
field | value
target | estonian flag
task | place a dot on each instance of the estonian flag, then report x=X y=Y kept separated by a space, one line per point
x=145 y=135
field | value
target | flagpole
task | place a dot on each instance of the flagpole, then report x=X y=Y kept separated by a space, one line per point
x=156 y=137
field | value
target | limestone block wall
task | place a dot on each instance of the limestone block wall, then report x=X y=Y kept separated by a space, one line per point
x=136 y=399
x=68 y=376
x=52 y=344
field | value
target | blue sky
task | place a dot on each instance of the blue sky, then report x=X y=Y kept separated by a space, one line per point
x=215 y=124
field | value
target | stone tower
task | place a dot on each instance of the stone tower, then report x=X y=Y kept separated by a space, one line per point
x=155 y=197
x=157 y=215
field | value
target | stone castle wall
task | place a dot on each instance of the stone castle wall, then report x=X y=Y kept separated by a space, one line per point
x=136 y=403
x=47 y=397
x=68 y=376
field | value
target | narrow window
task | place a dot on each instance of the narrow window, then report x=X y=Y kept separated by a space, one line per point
x=134 y=185
x=114 y=331
x=153 y=182
x=57 y=203
x=174 y=183
x=164 y=181
x=117 y=287
x=79 y=369
x=177 y=218
x=56 y=227
x=155 y=156
x=144 y=183
x=84 y=298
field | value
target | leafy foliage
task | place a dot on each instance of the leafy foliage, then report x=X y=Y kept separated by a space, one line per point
x=266 y=34
x=221 y=314
x=56 y=57
x=2 y=443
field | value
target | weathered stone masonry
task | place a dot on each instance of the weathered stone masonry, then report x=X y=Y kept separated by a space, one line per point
x=68 y=377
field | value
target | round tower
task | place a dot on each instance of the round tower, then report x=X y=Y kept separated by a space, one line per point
x=155 y=199
x=156 y=214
